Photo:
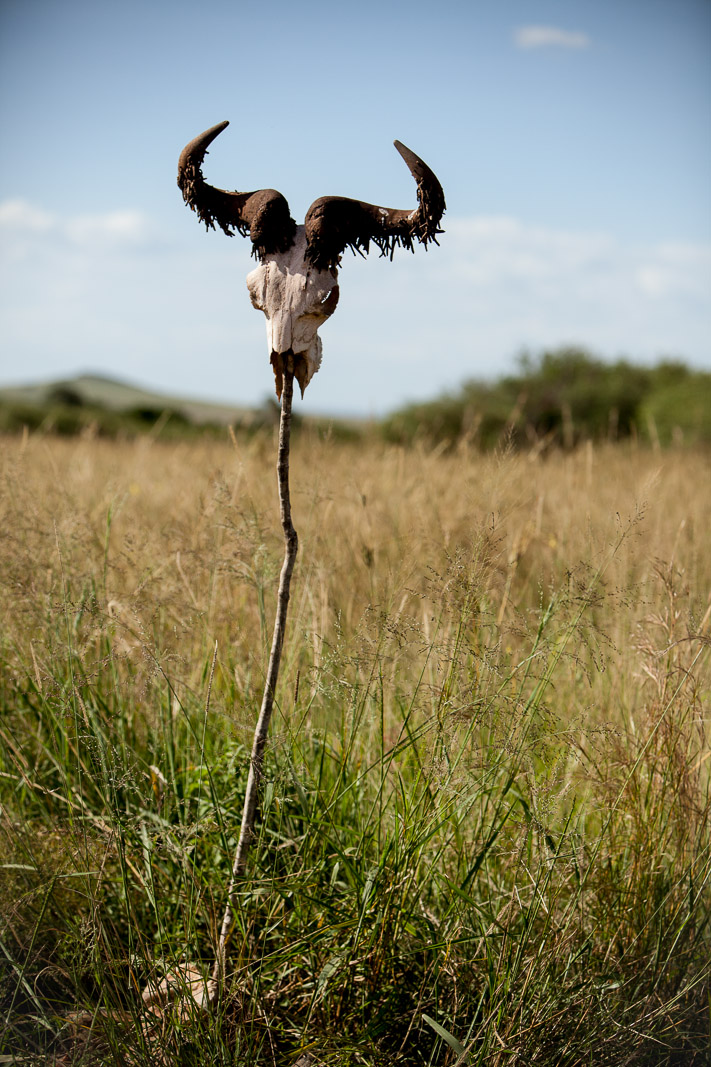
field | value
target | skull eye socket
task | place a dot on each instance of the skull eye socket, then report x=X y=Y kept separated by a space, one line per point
x=323 y=306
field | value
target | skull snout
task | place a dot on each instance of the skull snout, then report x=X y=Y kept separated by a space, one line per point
x=294 y=329
x=280 y=332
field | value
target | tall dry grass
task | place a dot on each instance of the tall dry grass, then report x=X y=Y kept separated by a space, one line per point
x=484 y=834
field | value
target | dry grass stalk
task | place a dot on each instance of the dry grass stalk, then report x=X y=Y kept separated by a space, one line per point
x=423 y=580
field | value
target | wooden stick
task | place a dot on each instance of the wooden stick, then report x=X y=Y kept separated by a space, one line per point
x=249 y=811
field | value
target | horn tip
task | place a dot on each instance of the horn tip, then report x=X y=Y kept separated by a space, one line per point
x=407 y=154
x=215 y=131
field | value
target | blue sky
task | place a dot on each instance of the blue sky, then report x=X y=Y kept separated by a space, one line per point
x=573 y=141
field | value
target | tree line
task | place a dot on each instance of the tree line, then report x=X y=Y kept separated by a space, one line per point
x=562 y=397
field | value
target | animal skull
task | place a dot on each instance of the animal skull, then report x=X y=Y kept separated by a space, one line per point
x=296 y=299
x=295 y=284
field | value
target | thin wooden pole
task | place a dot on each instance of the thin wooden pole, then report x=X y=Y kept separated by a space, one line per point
x=249 y=811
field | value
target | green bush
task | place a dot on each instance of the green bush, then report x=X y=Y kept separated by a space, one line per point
x=562 y=397
x=679 y=412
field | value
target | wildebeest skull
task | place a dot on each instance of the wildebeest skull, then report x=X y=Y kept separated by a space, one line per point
x=295 y=284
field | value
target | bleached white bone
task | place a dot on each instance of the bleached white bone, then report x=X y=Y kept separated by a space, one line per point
x=296 y=299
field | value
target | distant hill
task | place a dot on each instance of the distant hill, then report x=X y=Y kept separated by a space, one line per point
x=109 y=407
x=111 y=394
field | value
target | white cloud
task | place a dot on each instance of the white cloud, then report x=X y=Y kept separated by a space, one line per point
x=652 y=281
x=547 y=36
x=114 y=227
x=22 y=222
x=491 y=252
x=18 y=216
x=494 y=250
x=675 y=271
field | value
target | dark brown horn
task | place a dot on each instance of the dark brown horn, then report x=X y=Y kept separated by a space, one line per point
x=335 y=222
x=262 y=215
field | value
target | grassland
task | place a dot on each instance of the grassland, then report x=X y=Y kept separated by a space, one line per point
x=484 y=835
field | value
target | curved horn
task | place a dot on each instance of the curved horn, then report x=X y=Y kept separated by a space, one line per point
x=263 y=215
x=335 y=222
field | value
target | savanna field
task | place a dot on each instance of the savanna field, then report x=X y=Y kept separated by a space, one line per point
x=484 y=830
